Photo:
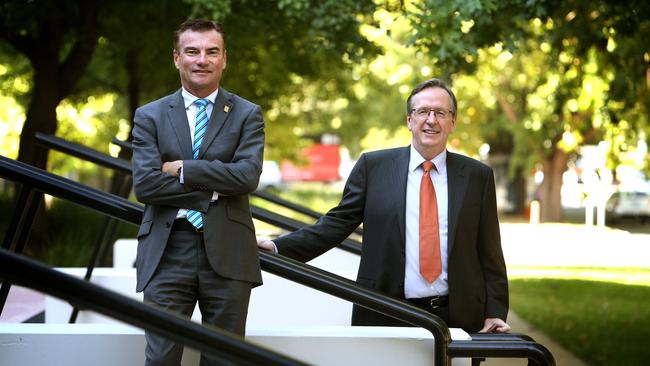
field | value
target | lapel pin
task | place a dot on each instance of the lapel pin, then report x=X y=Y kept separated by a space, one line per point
x=226 y=108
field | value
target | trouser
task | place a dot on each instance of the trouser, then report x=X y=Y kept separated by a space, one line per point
x=184 y=277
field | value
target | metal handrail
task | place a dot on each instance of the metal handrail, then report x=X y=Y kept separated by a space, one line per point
x=29 y=273
x=259 y=213
x=294 y=206
x=124 y=166
x=260 y=194
x=285 y=267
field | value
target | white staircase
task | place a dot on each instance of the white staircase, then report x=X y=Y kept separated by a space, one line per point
x=284 y=316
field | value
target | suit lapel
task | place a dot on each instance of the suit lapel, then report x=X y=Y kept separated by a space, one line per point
x=457 y=180
x=398 y=183
x=178 y=119
x=222 y=109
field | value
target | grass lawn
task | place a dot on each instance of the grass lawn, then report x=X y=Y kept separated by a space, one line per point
x=603 y=323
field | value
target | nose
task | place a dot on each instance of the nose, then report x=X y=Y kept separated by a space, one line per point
x=203 y=57
x=431 y=117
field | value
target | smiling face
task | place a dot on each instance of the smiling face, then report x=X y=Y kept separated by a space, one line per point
x=200 y=59
x=430 y=133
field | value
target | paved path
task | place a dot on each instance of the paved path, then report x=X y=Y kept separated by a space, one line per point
x=573 y=246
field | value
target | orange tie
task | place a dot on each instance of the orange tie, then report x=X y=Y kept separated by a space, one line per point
x=430 y=264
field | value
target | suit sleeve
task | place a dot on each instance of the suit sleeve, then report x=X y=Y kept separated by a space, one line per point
x=240 y=175
x=150 y=184
x=332 y=228
x=491 y=255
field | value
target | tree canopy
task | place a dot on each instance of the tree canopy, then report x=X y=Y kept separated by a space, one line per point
x=536 y=79
x=272 y=46
x=553 y=75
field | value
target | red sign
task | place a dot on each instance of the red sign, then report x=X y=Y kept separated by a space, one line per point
x=323 y=165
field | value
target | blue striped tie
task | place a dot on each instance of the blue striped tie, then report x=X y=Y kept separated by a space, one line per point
x=200 y=127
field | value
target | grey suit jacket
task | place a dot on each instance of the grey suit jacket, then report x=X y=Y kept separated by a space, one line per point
x=230 y=163
x=375 y=194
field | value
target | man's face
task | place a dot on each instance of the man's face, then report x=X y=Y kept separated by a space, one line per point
x=200 y=60
x=430 y=130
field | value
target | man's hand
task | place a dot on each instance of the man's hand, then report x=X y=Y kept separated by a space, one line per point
x=171 y=167
x=267 y=245
x=494 y=325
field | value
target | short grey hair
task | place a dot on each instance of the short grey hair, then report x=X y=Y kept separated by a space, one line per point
x=431 y=83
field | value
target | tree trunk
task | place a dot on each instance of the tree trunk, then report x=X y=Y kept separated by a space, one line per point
x=54 y=78
x=518 y=188
x=133 y=95
x=41 y=111
x=551 y=188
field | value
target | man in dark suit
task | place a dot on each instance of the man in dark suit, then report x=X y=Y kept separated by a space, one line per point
x=197 y=155
x=439 y=249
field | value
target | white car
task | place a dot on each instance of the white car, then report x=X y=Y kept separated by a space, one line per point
x=628 y=205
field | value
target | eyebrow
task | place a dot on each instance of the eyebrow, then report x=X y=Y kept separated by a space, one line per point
x=216 y=48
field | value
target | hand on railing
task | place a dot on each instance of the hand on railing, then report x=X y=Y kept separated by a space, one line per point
x=495 y=325
x=266 y=245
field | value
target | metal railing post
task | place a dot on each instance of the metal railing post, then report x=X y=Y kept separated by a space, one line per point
x=25 y=212
x=212 y=340
x=120 y=208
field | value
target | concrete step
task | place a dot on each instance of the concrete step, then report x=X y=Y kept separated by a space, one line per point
x=117 y=344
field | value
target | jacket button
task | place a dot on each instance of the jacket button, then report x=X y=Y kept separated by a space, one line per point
x=168 y=224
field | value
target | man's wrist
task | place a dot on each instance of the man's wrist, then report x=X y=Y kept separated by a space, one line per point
x=179 y=172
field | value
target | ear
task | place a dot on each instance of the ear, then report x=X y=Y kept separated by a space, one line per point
x=408 y=123
x=225 y=59
x=176 y=56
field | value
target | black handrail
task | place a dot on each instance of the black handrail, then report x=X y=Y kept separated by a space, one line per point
x=261 y=194
x=29 y=273
x=293 y=206
x=124 y=166
x=302 y=273
x=69 y=190
x=290 y=224
x=121 y=143
x=65 y=188
x=259 y=213
x=83 y=152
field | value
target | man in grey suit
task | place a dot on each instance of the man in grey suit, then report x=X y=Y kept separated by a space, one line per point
x=403 y=239
x=197 y=155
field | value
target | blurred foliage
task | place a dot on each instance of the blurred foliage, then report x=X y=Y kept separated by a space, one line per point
x=536 y=80
x=317 y=196
x=63 y=235
x=552 y=77
x=588 y=61
x=303 y=42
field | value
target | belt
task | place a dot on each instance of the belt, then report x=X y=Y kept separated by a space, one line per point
x=432 y=302
x=183 y=225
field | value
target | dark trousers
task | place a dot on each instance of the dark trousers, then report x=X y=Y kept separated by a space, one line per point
x=184 y=277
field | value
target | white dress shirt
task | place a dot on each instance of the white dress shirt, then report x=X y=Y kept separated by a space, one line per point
x=191 y=109
x=415 y=286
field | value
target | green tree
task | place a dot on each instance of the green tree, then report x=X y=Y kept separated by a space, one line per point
x=275 y=47
x=58 y=39
x=586 y=42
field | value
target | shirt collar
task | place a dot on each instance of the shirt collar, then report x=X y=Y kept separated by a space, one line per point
x=415 y=160
x=189 y=98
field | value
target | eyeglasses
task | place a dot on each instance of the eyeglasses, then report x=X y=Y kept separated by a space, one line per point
x=440 y=114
